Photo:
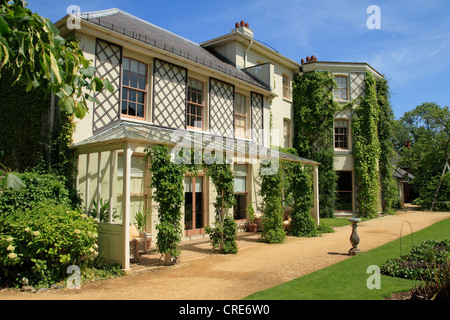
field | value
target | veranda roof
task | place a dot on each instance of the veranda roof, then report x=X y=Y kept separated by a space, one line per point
x=147 y=134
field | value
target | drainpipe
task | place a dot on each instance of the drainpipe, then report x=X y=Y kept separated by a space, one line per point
x=246 y=52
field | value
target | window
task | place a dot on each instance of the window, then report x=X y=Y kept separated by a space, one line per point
x=341 y=92
x=286 y=133
x=344 y=193
x=195 y=106
x=240 y=191
x=134 y=88
x=240 y=116
x=341 y=134
x=286 y=87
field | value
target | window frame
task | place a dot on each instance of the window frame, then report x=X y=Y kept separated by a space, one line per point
x=346 y=135
x=286 y=87
x=245 y=116
x=242 y=193
x=288 y=135
x=137 y=89
x=347 y=94
x=202 y=105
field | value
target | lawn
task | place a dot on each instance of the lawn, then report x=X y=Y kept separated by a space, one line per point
x=347 y=280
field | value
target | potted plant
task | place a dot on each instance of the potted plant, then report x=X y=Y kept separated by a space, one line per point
x=251 y=218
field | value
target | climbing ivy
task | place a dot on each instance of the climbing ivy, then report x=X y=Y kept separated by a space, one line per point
x=314 y=111
x=271 y=191
x=223 y=234
x=389 y=189
x=366 y=150
x=167 y=180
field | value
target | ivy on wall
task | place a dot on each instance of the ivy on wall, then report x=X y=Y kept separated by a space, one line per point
x=389 y=189
x=223 y=234
x=366 y=150
x=272 y=194
x=314 y=111
x=168 y=181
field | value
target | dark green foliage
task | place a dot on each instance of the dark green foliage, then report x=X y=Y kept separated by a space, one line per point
x=167 y=179
x=223 y=234
x=271 y=191
x=428 y=126
x=302 y=224
x=420 y=262
x=366 y=150
x=314 y=110
x=21 y=124
x=389 y=189
x=39 y=188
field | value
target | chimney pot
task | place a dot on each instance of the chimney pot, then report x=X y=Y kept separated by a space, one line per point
x=303 y=61
x=237 y=25
x=242 y=23
x=247 y=25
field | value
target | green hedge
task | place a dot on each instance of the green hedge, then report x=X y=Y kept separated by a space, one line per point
x=39 y=188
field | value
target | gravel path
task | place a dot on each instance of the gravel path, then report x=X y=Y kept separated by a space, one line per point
x=257 y=266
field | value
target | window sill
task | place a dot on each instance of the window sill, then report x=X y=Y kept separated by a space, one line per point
x=342 y=151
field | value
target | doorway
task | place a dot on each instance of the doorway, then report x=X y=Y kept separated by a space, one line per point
x=194 y=205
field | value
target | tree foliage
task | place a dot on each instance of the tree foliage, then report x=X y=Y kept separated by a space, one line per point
x=428 y=126
x=32 y=48
x=366 y=150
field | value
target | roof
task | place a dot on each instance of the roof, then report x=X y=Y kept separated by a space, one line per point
x=401 y=174
x=149 y=134
x=128 y=25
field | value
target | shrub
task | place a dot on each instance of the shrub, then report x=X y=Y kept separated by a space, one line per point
x=416 y=265
x=39 y=188
x=41 y=242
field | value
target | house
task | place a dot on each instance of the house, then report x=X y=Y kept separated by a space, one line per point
x=223 y=94
x=350 y=80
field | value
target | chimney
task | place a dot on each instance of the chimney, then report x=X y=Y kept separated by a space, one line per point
x=243 y=28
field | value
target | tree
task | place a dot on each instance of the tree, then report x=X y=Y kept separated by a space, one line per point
x=39 y=57
x=429 y=128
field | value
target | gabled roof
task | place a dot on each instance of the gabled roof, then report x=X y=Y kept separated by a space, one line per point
x=128 y=25
x=149 y=134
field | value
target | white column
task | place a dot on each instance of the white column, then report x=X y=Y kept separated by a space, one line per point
x=128 y=152
x=316 y=195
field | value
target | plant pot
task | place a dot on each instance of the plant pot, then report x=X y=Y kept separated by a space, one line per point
x=253 y=227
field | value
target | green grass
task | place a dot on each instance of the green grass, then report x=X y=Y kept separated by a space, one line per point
x=347 y=279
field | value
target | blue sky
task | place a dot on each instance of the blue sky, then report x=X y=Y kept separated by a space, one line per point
x=412 y=48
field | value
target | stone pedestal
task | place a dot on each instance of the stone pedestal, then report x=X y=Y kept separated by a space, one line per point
x=354 y=238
